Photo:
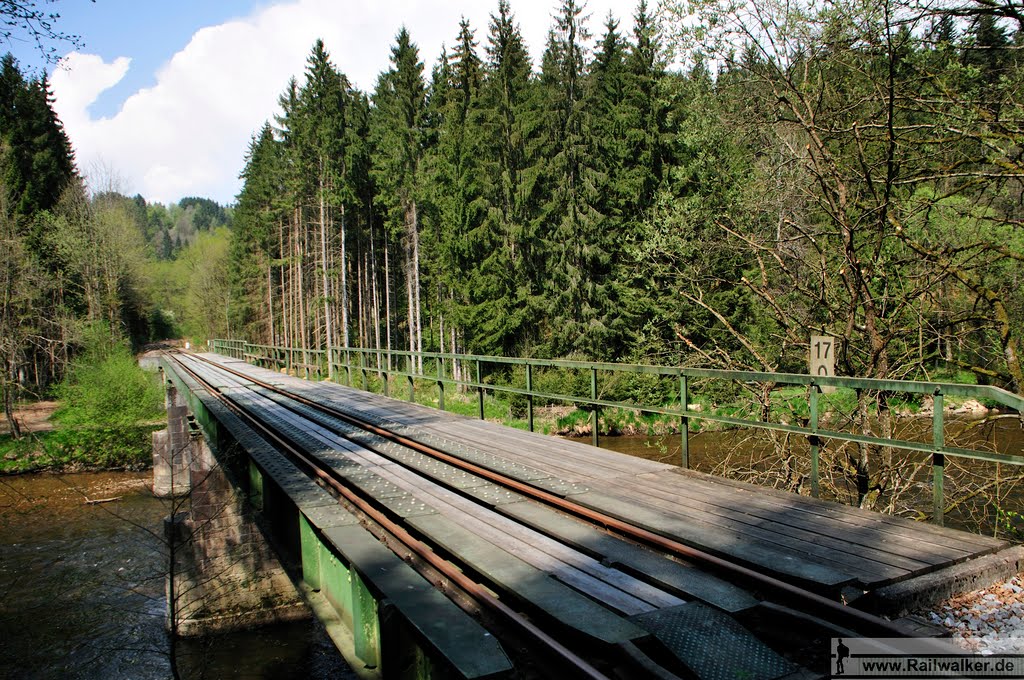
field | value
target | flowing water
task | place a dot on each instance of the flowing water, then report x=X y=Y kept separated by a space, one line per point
x=82 y=591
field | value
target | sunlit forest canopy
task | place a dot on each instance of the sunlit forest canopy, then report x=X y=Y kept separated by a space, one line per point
x=708 y=187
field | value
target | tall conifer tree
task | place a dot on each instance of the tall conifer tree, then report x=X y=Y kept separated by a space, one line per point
x=397 y=130
x=511 y=263
x=574 y=229
x=457 y=180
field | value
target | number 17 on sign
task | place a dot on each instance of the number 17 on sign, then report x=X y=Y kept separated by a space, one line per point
x=823 y=357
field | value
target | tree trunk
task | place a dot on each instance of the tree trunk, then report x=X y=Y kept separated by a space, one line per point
x=374 y=289
x=8 y=399
x=300 y=242
x=282 y=274
x=387 y=296
x=271 y=339
x=324 y=273
x=344 y=282
x=416 y=284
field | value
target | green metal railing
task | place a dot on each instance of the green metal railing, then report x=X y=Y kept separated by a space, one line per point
x=432 y=367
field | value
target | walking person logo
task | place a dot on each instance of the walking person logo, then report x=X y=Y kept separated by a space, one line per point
x=842 y=653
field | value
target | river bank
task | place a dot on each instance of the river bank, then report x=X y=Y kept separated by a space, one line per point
x=45 y=446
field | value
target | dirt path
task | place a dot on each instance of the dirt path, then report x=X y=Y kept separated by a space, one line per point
x=32 y=417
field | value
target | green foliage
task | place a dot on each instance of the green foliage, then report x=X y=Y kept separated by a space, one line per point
x=40 y=164
x=75 y=449
x=1010 y=524
x=605 y=207
x=106 y=387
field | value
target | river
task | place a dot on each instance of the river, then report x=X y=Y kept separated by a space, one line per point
x=82 y=591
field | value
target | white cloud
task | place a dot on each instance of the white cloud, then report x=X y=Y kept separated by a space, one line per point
x=187 y=135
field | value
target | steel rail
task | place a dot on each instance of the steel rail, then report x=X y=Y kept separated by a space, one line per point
x=844 y=615
x=446 y=568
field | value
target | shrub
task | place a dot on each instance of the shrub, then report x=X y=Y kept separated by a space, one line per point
x=106 y=387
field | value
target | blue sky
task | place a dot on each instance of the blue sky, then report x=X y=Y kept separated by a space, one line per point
x=163 y=97
x=147 y=31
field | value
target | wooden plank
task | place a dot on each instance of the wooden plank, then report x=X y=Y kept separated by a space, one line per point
x=795 y=511
x=580 y=449
x=526 y=583
x=718 y=541
x=681 y=578
x=923 y=530
x=565 y=462
x=817 y=538
x=603 y=583
x=713 y=524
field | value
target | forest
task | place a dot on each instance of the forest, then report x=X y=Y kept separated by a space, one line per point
x=849 y=169
x=706 y=189
x=83 y=267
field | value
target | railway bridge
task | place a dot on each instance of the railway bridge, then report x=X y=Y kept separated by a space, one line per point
x=437 y=545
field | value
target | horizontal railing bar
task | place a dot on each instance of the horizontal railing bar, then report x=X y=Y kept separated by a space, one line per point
x=794 y=379
x=797 y=379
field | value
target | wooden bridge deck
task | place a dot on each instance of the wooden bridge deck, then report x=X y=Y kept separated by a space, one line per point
x=821 y=545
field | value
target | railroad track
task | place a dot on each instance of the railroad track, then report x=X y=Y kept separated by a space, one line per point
x=632 y=592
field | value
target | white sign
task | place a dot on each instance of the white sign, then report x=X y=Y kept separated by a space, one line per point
x=823 y=357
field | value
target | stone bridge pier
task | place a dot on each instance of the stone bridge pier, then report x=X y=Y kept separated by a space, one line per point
x=222 y=574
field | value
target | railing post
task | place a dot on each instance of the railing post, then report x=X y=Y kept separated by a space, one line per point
x=938 y=461
x=479 y=390
x=595 y=414
x=813 y=439
x=684 y=423
x=362 y=371
x=409 y=364
x=529 y=397
x=439 y=364
x=385 y=376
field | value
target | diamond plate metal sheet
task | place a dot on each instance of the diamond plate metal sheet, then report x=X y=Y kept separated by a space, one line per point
x=713 y=645
x=406 y=506
x=377 y=487
x=446 y=474
x=339 y=461
x=326 y=516
x=559 y=487
x=311 y=497
x=492 y=494
x=280 y=471
x=503 y=465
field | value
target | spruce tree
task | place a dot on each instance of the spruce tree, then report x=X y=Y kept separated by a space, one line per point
x=575 y=231
x=397 y=130
x=254 y=239
x=322 y=112
x=456 y=180
x=645 y=63
x=40 y=162
x=510 y=269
